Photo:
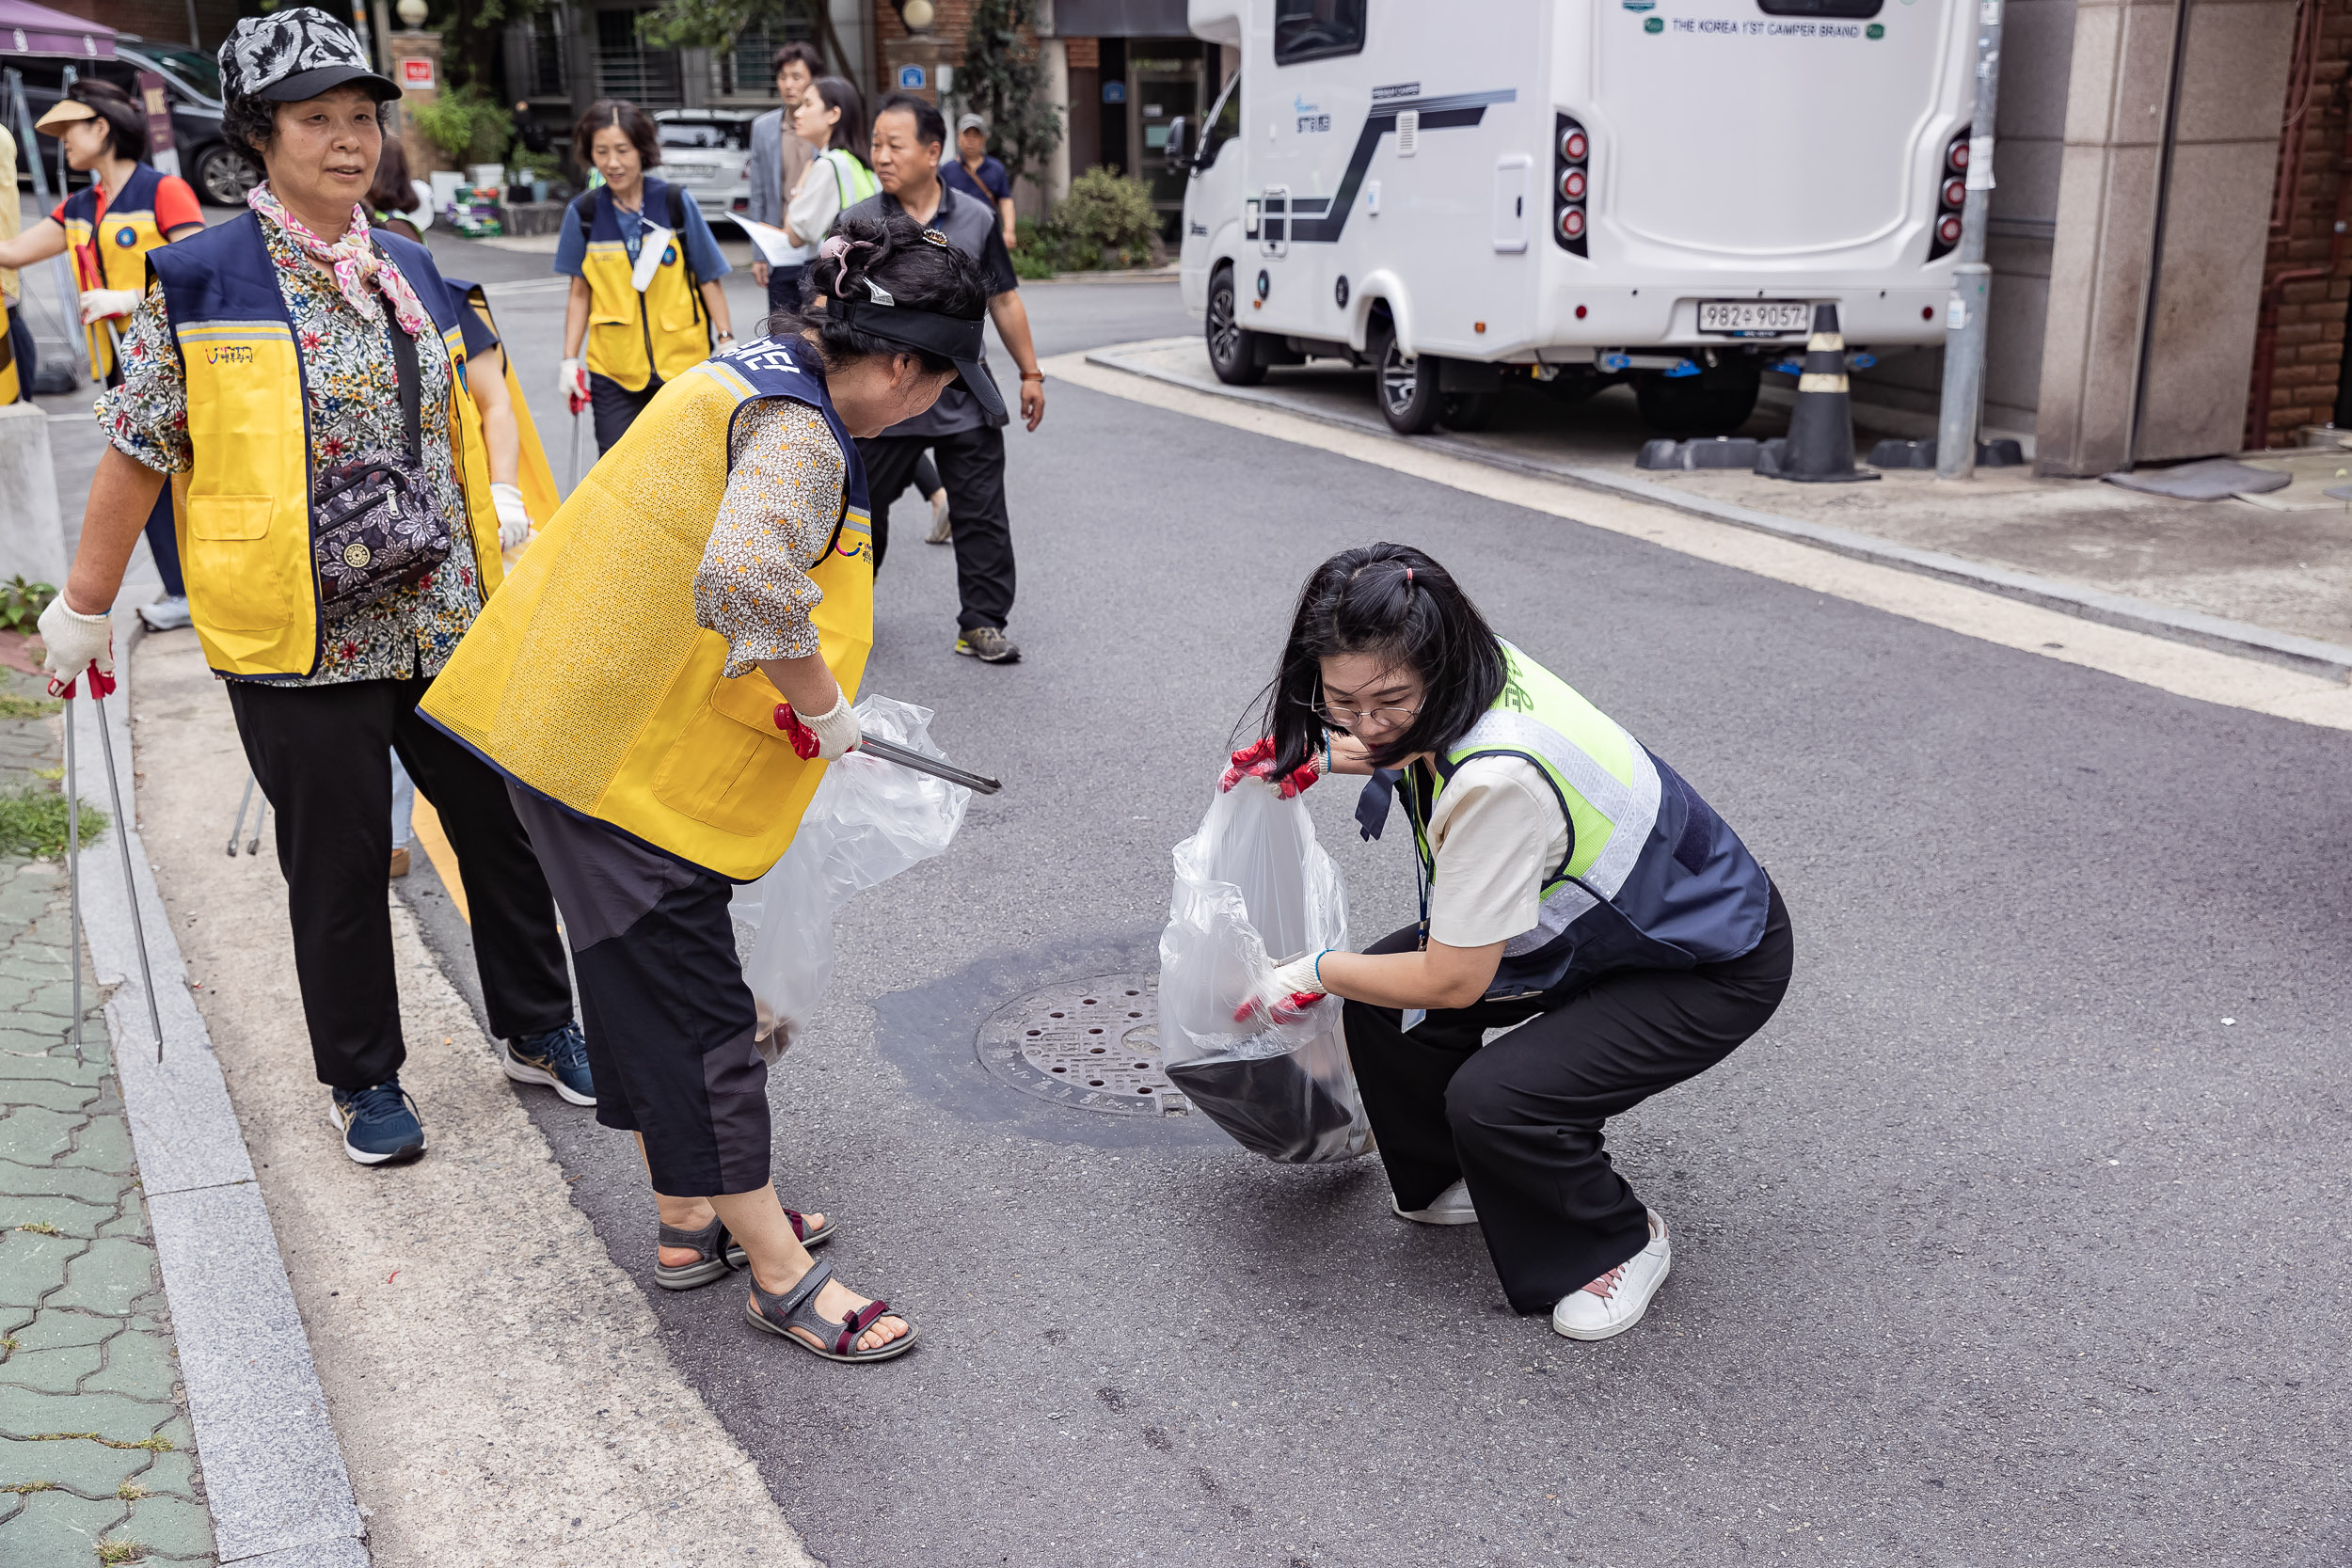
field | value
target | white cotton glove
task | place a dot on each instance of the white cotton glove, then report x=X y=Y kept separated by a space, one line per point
x=836 y=732
x=1288 y=991
x=513 y=522
x=572 y=384
x=75 y=642
x=98 y=304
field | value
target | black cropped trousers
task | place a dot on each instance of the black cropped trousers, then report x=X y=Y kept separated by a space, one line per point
x=1519 y=1120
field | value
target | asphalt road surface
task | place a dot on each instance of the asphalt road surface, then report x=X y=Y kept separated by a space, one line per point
x=2016 y=1238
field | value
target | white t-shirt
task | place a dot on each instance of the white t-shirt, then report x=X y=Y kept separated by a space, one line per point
x=1497 y=834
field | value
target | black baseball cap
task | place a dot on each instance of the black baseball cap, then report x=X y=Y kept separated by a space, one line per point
x=296 y=54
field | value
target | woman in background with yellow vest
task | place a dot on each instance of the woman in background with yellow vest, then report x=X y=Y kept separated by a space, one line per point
x=661 y=681
x=126 y=210
x=288 y=345
x=646 y=295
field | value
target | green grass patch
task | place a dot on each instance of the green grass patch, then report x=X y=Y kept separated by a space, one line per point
x=153 y=1445
x=130 y=1491
x=119 y=1551
x=13 y=706
x=22 y=1487
x=39 y=1227
x=32 y=821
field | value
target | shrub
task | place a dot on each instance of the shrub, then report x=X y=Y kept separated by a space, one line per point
x=32 y=821
x=468 y=125
x=22 y=602
x=1105 y=221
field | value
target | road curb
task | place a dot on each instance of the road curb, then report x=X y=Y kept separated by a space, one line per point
x=274 y=1474
x=2223 y=635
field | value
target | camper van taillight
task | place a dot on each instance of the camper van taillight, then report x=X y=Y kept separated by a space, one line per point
x=1951 y=196
x=1571 y=182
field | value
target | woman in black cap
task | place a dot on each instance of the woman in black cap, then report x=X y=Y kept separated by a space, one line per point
x=306 y=374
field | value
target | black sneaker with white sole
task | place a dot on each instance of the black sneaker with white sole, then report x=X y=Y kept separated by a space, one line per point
x=989 y=645
x=558 y=1058
x=380 y=1125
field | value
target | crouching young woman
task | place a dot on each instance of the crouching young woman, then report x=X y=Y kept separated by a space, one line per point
x=1572 y=886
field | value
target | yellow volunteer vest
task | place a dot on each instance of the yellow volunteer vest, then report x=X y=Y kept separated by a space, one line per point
x=634 y=336
x=110 y=252
x=244 y=504
x=587 y=678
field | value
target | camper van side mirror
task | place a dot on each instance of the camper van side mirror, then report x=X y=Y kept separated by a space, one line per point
x=1179 y=132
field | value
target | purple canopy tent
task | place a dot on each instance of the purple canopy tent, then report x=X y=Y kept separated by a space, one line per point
x=29 y=29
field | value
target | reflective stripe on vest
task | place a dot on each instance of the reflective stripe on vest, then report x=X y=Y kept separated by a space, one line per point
x=245 y=507
x=588 y=678
x=634 y=336
x=1653 y=877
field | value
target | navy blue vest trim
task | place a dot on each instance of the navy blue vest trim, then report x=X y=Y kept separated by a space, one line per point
x=136 y=196
x=774 y=370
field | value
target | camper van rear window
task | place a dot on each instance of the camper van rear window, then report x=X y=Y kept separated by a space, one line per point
x=1318 y=29
x=1820 y=7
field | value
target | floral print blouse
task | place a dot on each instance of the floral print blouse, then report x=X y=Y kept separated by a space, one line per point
x=783 y=500
x=354 y=405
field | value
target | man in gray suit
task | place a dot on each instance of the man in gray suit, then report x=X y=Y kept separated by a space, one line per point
x=779 y=159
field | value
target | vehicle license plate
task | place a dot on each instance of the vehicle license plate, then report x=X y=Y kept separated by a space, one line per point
x=1755 y=318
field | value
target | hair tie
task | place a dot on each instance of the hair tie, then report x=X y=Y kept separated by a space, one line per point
x=837 y=247
x=1408 y=577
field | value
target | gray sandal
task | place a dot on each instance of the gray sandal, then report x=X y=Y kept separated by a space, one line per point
x=797 y=1309
x=722 y=1253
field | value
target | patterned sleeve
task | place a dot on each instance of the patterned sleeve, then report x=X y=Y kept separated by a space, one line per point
x=146 y=417
x=782 y=501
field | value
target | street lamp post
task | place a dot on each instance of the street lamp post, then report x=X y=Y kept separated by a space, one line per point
x=1972 y=279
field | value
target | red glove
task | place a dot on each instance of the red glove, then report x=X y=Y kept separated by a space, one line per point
x=1287 y=1010
x=804 y=741
x=101 y=684
x=1257 y=762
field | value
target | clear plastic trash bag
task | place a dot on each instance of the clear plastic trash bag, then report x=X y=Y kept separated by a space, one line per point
x=1254 y=888
x=868 y=820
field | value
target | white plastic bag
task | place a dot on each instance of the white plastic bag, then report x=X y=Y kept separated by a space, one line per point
x=868 y=820
x=1254 y=888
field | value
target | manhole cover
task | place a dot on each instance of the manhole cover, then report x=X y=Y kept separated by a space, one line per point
x=1091 y=1044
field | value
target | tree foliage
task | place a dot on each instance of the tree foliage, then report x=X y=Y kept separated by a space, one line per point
x=1003 y=81
x=717 y=23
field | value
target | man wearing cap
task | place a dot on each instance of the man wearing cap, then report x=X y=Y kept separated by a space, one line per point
x=977 y=175
x=301 y=376
x=964 y=429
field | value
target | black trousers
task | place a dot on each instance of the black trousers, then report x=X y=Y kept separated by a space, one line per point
x=1520 y=1120
x=972 y=467
x=322 y=756
x=614 y=407
x=27 y=355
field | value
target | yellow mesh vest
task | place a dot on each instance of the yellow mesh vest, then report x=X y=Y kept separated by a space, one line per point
x=588 y=680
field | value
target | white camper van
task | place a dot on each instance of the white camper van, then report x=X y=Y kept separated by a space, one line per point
x=1578 y=191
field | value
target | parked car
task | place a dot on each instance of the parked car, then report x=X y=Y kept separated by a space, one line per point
x=220 y=173
x=707 y=152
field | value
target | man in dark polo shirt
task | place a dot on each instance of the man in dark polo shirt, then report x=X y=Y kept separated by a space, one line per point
x=968 y=445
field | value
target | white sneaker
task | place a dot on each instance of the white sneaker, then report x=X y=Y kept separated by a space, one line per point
x=165 y=614
x=1450 y=1207
x=1582 y=1315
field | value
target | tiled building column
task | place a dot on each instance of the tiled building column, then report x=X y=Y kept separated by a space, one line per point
x=2199 y=327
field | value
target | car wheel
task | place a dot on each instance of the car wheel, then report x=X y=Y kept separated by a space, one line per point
x=1232 y=348
x=1409 y=399
x=224 y=175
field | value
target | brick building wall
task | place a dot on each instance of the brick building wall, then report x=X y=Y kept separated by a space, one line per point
x=950 y=21
x=2307 y=356
x=161 y=21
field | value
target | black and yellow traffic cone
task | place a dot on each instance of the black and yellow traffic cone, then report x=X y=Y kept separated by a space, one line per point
x=1819 y=448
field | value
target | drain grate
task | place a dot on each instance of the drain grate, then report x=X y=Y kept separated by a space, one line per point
x=1091 y=1044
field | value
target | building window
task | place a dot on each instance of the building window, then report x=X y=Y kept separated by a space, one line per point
x=545 y=61
x=626 y=68
x=1317 y=29
x=742 y=71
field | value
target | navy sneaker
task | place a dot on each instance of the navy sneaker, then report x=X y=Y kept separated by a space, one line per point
x=558 y=1058
x=380 y=1126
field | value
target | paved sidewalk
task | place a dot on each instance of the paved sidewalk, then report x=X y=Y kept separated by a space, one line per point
x=97 y=1461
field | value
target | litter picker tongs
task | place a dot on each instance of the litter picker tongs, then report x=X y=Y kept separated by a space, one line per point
x=890 y=751
x=98 y=685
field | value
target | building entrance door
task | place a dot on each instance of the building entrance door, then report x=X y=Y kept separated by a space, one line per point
x=1159 y=90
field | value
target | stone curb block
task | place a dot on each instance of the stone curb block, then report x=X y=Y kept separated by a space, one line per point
x=273 y=1471
x=2079 y=599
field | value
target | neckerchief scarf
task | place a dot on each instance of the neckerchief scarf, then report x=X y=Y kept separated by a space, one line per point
x=351 y=260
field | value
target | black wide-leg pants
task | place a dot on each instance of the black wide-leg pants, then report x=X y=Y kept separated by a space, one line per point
x=972 y=467
x=1519 y=1120
x=323 y=754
